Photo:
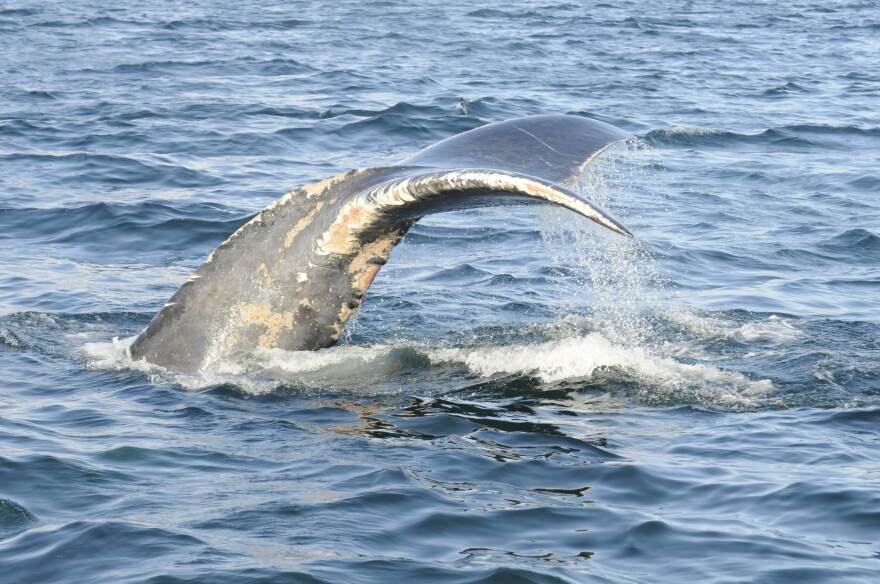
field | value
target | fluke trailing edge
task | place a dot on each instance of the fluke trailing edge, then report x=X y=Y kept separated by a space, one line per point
x=292 y=276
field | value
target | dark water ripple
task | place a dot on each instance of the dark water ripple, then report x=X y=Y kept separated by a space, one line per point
x=516 y=402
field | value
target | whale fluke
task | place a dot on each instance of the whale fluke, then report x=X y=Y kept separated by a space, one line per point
x=293 y=276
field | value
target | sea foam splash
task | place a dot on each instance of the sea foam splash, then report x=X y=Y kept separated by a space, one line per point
x=584 y=357
x=367 y=370
x=629 y=297
x=617 y=274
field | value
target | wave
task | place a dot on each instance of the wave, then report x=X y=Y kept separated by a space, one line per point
x=269 y=67
x=79 y=539
x=428 y=122
x=505 y=14
x=855 y=244
x=685 y=136
x=106 y=169
x=9 y=339
x=587 y=357
x=590 y=359
x=112 y=229
x=18 y=11
x=14 y=518
x=786 y=89
x=774 y=329
x=795 y=135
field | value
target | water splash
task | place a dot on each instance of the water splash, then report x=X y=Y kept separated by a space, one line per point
x=652 y=378
x=375 y=370
x=618 y=275
x=631 y=320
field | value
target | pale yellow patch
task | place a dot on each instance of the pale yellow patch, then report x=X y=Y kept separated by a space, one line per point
x=263 y=278
x=341 y=237
x=312 y=190
x=263 y=314
x=301 y=224
x=363 y=272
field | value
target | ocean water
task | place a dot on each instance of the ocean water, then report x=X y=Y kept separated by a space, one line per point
x=523 y=398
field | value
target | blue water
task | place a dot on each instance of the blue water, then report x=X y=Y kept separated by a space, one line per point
x=523 y=398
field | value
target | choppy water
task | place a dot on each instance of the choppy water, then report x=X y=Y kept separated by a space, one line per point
x=523 y=398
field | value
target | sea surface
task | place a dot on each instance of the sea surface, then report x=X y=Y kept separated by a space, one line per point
x=524 y=398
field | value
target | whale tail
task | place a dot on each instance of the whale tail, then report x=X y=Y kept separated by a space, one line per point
x=293 y=276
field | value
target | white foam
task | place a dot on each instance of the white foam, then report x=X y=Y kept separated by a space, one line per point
x=583 y=357
x=9 y=339
x=363 y=369
x=690 y=131
x=357 y=368
x=700 y=325
x=340 y=359
x=775 y=330
x=114 y=356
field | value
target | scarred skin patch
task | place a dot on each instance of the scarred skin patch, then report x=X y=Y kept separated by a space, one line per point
x=302 y=224
x=342 y=236
x=363 y=269
x=263 y=277
x=263 y=314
